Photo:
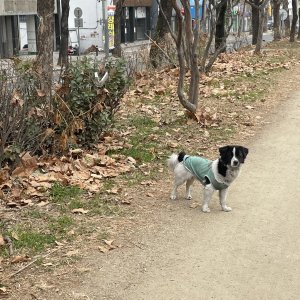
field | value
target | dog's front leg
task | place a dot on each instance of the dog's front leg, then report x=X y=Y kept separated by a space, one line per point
x=207 y=195
x=223 y=196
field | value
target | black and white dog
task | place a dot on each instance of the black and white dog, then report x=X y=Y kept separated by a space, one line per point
x=214 y=175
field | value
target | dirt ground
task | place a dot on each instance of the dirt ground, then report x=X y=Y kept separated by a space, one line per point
x=250 y=253
x=173 y=251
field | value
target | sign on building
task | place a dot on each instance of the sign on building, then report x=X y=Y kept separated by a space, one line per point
x=110 y=25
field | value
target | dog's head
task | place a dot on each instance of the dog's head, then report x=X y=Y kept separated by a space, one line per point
x=233 y=156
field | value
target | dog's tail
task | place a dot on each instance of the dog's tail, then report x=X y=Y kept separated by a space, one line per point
x=175 y=159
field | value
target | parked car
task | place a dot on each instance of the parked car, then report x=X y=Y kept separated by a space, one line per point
x=72 y=50
x=24 y=48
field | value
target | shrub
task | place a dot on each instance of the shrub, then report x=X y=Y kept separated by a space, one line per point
x=84 y=106
x=23 y=115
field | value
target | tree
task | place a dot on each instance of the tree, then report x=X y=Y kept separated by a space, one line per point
x=255 y=20
x=188 y=46
x=220 y=25
x=45 y=38
x=189 y=102
x=287 y=23
x=298 y=36
x=294 y=21
x=276 y=16
x=117 y=51
x=64 y=41
x=261 y=7
x=157 y=53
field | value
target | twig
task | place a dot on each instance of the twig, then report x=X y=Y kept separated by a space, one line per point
x=136 y=245
x=164 y=53
x=32 y=262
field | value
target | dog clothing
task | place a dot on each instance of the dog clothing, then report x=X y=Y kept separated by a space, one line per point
x=201 y=168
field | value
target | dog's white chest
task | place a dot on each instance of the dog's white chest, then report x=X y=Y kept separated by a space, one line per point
x=231 y=175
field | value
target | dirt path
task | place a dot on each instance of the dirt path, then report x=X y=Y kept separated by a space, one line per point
x=250 y=253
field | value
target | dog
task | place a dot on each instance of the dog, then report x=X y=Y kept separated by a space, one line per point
x=214 y=175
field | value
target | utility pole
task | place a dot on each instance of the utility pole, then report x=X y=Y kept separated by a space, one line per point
x=105 y=25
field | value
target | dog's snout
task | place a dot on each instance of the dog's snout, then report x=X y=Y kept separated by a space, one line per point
x=235 y=162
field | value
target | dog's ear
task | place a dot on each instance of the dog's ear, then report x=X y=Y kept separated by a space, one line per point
x=245 y=151
x=223 y=150
x=181 y=156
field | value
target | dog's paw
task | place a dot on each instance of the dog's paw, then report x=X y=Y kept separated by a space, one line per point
x=205 y=209
x=226 y=208
x=173 y=197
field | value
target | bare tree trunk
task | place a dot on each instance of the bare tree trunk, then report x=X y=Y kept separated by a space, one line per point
x=162 y=29
x=298 y=37
x=63 y=51
x=192 y=107
x=45 y=38
x=220 y=24
x=262 y=9
x=294 y=21
x=276 y=16
x=287 y=23
x=255 y=22
x=195 y=75
x=117 y=51
x=203 y=18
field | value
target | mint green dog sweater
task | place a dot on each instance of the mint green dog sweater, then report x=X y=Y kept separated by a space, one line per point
x=201 y=167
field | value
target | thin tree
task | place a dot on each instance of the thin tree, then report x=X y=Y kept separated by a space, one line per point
x=294 y=21
x=45 y=40
x=187 y=46
x=254 y=20
x=64 y=29
x=220 y=24
x=298 y=36
x=276 y=18
x=261 y=17
x=157 y=53
x=118 y=17
x=287 y=23
x=190 y=101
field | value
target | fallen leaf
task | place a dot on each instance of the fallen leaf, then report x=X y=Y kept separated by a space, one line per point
x=173 y=144
x=15 y=236
x=114 y=191
x=2 y=242
x=72 y=252
x=2 y=195
x=79 y=211
x=41 y=93
x=19 y=259
x=194 y=205
x=11 y=204
x=108 y=242
x=132 y=160
x=103 y=249
x=58 y=243
x=127 y=202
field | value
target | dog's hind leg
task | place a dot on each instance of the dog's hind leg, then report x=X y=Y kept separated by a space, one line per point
x=178 y=181
x=174 y=191
x=207 y=195
x=223 y=196
x=188 y=184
